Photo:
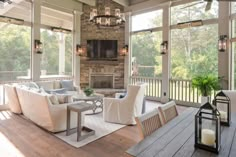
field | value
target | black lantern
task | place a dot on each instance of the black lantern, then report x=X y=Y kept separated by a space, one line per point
x=207 y=128
x=125 y=50
x=222 y=103
x=164 y=47
x=38 y=46
x=222 y=43
x=79 y=50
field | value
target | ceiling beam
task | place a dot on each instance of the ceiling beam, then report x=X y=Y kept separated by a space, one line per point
x=125 y=3
x=89 y=2
x=57 y=15
x=9 y=7
x=147 y=5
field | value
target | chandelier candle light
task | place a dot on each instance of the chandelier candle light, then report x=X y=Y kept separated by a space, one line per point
x=107 y=20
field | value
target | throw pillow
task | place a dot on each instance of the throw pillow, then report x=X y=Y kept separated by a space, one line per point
x=42 y=90
x=67 y=84
x=63 y=98
x=58 y=91
x=36 y=90
x=33 y=85
x=53 y=98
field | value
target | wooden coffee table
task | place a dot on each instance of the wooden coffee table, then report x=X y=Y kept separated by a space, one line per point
x=96 y=100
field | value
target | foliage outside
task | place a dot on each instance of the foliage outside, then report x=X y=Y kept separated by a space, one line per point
x=206 y=84
x=15 y=52
x=193 y=50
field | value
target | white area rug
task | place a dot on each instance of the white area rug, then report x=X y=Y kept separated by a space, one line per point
x=94 y=122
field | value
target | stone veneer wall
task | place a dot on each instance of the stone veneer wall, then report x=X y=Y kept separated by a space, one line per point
x=90 y=32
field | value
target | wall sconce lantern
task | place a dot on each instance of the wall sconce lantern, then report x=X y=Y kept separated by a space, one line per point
x=207 y=128
x=164 y=47
x=125 y=50
x=79 y=50
x=38 y=46
x=222 y=43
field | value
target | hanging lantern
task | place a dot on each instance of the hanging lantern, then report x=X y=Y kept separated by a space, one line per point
x=79 y=50
x=38 y=46
x=222 y=43
x=222 y=103
x=125 y=50
x=207 y=128
x=164 y=47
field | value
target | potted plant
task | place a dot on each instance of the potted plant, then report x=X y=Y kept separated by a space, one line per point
x=88 y=91
x=206 y=84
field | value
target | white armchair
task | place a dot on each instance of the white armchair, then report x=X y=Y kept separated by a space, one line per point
x=124 y=110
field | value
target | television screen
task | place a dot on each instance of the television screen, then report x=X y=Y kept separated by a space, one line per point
x=102 y=49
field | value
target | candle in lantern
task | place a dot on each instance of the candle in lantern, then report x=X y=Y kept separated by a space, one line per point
x=223 y=115
x=208 y=137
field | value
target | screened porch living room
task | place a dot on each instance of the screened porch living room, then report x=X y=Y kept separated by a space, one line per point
x=117 y=78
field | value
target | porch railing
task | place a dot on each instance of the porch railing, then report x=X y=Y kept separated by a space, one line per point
x=179 y=90
x=182 y=90
x=153 y=88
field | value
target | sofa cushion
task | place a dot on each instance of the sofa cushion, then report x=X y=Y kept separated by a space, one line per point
x=57 y=84
x=47 y=85
x=29 y=85
x=58 y=91
x=63 y=98
x=67 y=84
x=53 y=98
x=36 y=90
x=33 y=85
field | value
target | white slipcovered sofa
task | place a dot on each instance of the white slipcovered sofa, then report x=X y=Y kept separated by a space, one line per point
x=39 y=109
x=37 y=106
x=124 y=110
x=13 y=101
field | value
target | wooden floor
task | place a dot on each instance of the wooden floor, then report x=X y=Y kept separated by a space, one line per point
x=21 y=138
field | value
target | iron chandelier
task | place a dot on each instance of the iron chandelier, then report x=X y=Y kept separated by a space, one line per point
x=107 y=20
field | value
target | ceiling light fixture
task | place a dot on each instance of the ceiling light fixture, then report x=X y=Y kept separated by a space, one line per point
x=107 y=20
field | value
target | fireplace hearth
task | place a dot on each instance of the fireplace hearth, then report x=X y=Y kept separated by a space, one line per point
x=101 y=81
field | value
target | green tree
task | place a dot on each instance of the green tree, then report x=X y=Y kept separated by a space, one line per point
x=15 y=48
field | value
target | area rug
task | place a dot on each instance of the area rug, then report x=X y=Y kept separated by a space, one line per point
x=94 y=122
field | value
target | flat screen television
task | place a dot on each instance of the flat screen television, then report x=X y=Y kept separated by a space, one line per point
x=102 y=49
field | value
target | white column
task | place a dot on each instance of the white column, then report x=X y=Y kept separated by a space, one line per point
x=166 y=57
x=76 y=40
x=127 y=61
x=62 y=53
x=224 y=57
x=36 y=20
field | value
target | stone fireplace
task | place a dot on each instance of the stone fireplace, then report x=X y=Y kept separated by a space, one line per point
x=103 y=78
x=101 y=81
x=101 y=73
x=108 y=74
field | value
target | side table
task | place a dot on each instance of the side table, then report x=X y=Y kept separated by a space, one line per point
x=79 y=108
x=96 y=100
